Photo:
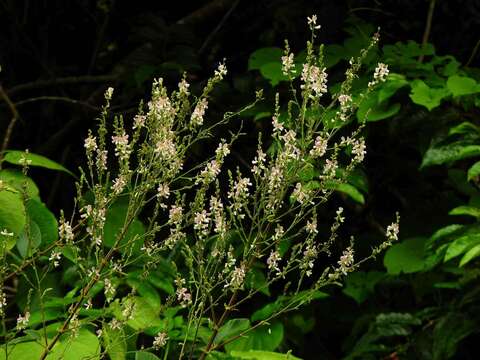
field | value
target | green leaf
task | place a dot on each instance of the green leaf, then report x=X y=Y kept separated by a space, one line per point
x=405 y=257
x=84 y=346
x=144 y=315
x=29 y=239
x=22 y=351
x=269 y=309
x=448 y=154
x=474 y=171
x=388 y=88
x=462 y=85
x=46 y=221
x=18 y=180
x=273 y=73
x=265 y=337
x=262 y=355
x=15 y=156
x=145 y=290
x=466 y=210
x=422 y=94
x=360 y=285
x=470 y=255
x=264 y=56
x=256 y=280
x=145 y=355
x=231 y=328
x=461 y=245
x=307 y=172
x=351 y=191
x=449 y=331
x=12 y=217
x=372 y=109
x=114 y=343
x=114 y=223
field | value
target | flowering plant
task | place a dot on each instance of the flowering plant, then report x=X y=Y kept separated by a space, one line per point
x=213 y=236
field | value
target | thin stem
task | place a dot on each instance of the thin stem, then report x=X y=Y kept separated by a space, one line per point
x=428 y=27
x=11 y=125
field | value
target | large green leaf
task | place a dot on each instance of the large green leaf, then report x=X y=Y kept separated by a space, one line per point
x=273 y=73
x=462 y=85
x=449 y=153
x=471 y=254
x=114 y=223
x=15 y=157
x=264 y=56
x=114 y=343
x=18 y=180
x=12 y=216
x=265 y=337
x=426 y=96
x=466 y=210
x=84 y=346
x=262 y=355
x=461 y=245
x=145 y=355
x=46 y=221
x=29 y=239
x=405 y=257
x=22 y=351
x=474 y=171
x=144 y=314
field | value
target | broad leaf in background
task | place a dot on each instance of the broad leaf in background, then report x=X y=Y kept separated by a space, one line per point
x=16 y=179
x=444 y=154
x=16 y=156
x=12 y=216
x=405 y=257
x=115 y=220
x=462 y=85
x=264 y=337
x=360 y=285
x=426 y=96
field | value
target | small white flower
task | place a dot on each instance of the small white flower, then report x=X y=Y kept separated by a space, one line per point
x=22 y=321
x=5 y=232
x=109 y=93
x=199 y=111
x=320 y=147
x=288 y=66
x=312 y=22
x=160 y=340
x=393 y=231
x=221 y=71
x=311 y=226
x=163 y=191
x=183 y=87
x=55 y=256
x=139 y=121
x=90 y=144
x=273 y=260
x=380 y=74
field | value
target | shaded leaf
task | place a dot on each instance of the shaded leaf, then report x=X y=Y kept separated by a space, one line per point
x=462 y=85
x=405 y=257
